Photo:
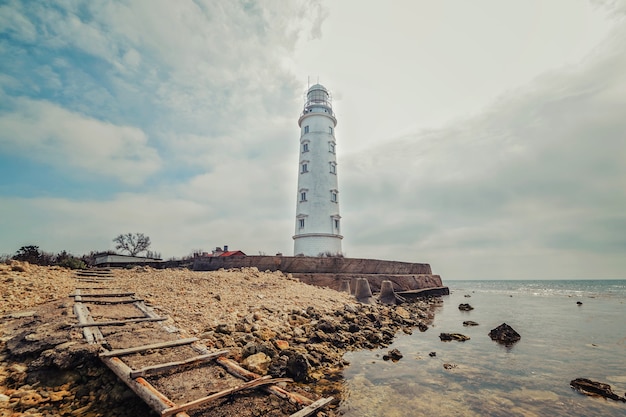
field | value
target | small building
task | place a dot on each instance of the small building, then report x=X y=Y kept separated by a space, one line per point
x=225 y=252
x=233 y=253
x=121 y=261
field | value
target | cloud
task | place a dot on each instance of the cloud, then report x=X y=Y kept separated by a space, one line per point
x=53 y=136
x=540 y=174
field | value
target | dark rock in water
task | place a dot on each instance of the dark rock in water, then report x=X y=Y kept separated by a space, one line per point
x=432 y=354
x=422 y=327
x=449 y=365
x=393 y=354
x=594 y=389
x=467 y=296
x=504 y=334
x=465 y=307
x=446 y=337
x=579 y=303
x=470 y=323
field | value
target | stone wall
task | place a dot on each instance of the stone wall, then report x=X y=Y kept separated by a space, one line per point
x=309 y=265
x=331 y=272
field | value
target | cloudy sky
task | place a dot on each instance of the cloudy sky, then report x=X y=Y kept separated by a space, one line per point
x=487 y=138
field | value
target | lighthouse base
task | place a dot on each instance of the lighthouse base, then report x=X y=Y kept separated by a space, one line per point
x=318 y=244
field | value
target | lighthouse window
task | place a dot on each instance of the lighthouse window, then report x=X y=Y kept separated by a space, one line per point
x=331 y=147
x=301 y=223
x=333 y=196
x=306 y=129
x=303 y=196
x=305 y=168
x=305 y=147
x=330 y=129
x=333 y=167
x=337 y=224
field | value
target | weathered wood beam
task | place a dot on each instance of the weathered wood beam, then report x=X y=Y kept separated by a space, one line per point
x=234 y=369
x=111 y=294
x=136 y=349
x=312 y=408
x=110 y=301
x=164 y=367
x=150 y=395
x=204 y=400
x=120 y=322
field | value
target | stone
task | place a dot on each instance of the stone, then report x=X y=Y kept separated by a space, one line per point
x=297 y=367
x=504 y=334
x=595 y=389
x=465 y=307
x=432 y=354
x=469 y=323
x=446 y=337
x=579 y=303
x=393 y=354
x=258 y=363
x=449 y=365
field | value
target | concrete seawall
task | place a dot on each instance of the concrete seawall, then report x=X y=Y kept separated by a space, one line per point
x=331 y=272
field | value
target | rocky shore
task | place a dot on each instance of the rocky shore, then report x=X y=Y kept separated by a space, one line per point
x=269 y=322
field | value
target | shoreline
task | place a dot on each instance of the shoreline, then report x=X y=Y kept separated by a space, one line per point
x=244 y=311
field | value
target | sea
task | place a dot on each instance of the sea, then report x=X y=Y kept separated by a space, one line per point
x=569 y=329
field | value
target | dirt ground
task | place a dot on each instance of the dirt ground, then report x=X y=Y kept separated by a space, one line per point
x=46 y=368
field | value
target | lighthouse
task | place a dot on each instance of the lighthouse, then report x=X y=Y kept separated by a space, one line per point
x=318 y=225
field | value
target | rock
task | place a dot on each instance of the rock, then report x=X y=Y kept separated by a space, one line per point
x=432 y=354
x=465 y=307
x=449 y=365
x=297 y=366
x=470 y=323
x=595 y=389
x=446 y=337
x=400 y=311
x=393 y=354
x=504 y=334
x=281 y=344
x=579 y=303
x=258 y=363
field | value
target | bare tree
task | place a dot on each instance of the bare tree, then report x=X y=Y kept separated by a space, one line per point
x=133 y=243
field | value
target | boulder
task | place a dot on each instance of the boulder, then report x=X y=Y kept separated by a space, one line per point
x=446 y=337
x=595 y=389
x=504 y=334
x=465 y=307
x=469 y=323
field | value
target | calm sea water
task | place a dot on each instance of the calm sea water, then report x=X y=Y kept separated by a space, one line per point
x=560 y=341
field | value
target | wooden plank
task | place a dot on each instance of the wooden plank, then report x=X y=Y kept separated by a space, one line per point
x=120 y=322
x=111 y=301
x=127 y=351
x=204 y=400
x=312 y=408
x=150 y=395
x=164 y=367
x=148 y=312
x=111 y=294
x=84 y=317
x=234 y=369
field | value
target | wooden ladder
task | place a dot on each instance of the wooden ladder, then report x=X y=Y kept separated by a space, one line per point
x=136 y=378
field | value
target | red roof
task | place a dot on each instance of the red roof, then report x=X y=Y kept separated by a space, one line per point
x=233 y=253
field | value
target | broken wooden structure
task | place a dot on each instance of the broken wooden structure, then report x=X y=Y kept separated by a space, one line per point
x=152 y=370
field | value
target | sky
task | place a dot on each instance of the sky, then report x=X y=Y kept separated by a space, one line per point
x=487 y=138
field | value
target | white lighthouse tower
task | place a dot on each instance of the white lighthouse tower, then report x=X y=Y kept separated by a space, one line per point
x=317 y=209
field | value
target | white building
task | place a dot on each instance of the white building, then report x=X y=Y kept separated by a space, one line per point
x=318 y=228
